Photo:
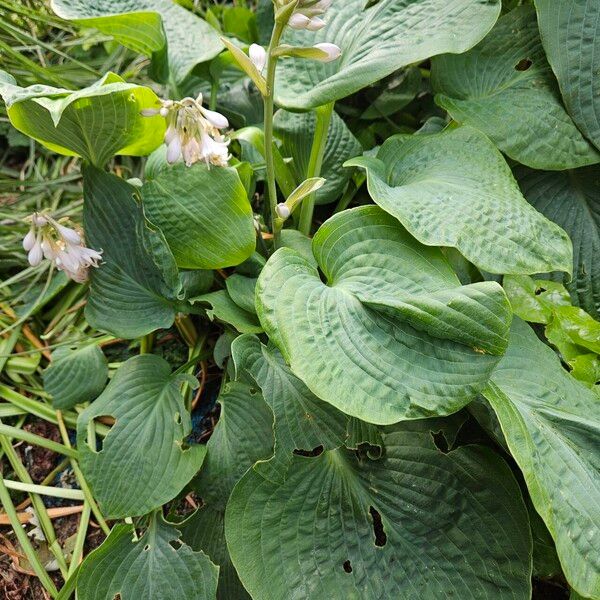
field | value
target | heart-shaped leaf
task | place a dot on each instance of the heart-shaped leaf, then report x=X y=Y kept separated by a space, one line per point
x=572 y=200
x=133 y=291
x=296 y=132
x=175 y=38
x=75 y=375
x=455 y=189
x=551 y=423
x=242 y=436
x=95 y=123
x=570 y=32
x=155 y=567
x=392 y=334
x=143 y=462
x=416 y=523
x=505 y=88
x=302 y=422
x=204 y=215
x=377 y=41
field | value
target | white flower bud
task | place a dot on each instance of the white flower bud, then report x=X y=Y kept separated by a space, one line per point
x=331 y=50
x=39 y=220
x=67 y=234
x=174 y=150
x=283 y=211
x=214 y=118
x=29 y=240
x=315 y=24
x=35 y=254
x=298 y=21
x=164 y=112
x=258 y=56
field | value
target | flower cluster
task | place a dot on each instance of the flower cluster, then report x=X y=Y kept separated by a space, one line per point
x=193 y=132
x=64 y=246
x=308 y=14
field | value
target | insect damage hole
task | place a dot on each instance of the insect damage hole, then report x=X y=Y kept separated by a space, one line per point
x=380 y=535
x=309 y=453
x=523 y=64
x=347 y=566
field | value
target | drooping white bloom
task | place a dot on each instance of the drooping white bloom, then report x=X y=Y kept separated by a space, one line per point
x=258 y=56
x=64 y=246
x=193 y=132
x=332 y=52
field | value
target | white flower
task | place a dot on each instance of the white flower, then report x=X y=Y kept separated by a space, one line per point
x=332 y=52
x=47 y=238
x=258 y=56
x=193 y=132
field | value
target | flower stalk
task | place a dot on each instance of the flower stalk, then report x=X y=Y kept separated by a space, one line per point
x=269 y=103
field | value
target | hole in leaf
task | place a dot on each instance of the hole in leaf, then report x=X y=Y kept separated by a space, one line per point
x=380 y=535
x=347 y=566
x=309 y=453
x=104 y=420
x=439 y=439
x=523 y=65
x=539 y=290
x=146 y=547
x=176 y=544
x=177 y=418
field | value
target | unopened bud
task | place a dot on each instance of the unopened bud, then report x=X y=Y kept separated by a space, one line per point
x=283 y=211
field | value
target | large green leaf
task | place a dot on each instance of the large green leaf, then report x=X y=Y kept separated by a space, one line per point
x=157 y=28
x=296 y=130
x=131 y=293
x=204 y=214
x=143 y=462
x=376 y=42
x=95 y=123
x=75 y=375
x=392 y=334
x=155 y=567
x=455 y=189
x=570 y=31
x=243 y=435
x=416 y=524
x=573 y=201
x=552 y=425
x=505 y=87
x=223 y=308
x=302 y=422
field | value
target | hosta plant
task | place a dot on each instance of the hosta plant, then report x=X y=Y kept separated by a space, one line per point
x=379 y=225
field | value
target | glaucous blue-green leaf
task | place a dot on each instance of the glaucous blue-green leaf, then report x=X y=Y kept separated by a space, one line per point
x=143 y=462
x=302 y=422
x=158 y=566
x=242 y=291
x=95 y=123
x=377 y=41
x=203 y=213
x=175 y=38
x=132 y=292
x=572 y=200
x=296 y=131
x=242 y=436
x=505 y=88
x=75 y=375
x=551 y=423
x=417 y=523
x=455 y=189
x=570 y=32
x=389 y=333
